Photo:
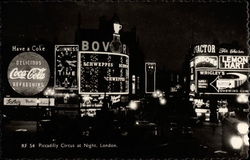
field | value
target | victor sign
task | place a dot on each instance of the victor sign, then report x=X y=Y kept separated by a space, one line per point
x=204 y=48
x=28 y=73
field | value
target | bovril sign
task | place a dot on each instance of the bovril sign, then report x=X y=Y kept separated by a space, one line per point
x=100 y=46
x=28 y=73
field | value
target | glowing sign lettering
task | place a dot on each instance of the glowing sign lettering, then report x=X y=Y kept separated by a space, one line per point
x=99 y=46
x=97 y=64
x=230 y=83
x=212 y=72
x=204 y=48
x=34 y=73
x=236 y=51
x=206 y=61
x=103 y=73
x=203 y=83
x=234 y=62
x=115 y=79
x=65 y=67
x=29 y=101
x=221 y=82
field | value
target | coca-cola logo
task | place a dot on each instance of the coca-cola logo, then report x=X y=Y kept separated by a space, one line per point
x=28 y=73
x=34 y=73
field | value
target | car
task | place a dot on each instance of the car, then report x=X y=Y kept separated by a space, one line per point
x=235 y=134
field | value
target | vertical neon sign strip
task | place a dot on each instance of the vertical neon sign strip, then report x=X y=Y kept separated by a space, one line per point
x=146 y=80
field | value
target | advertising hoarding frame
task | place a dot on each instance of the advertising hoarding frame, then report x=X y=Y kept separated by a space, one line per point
x=29 y=101
x=220 y=70
x=227 y=69
x=63 y=88
x=150 y=63
x=215 y=67
x=98 y=93
x=31 y=74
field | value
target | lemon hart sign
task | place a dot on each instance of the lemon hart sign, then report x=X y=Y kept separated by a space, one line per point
x=28 y=73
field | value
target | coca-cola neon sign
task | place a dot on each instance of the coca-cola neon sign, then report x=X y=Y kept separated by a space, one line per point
x=28 y=73
x=34 y=73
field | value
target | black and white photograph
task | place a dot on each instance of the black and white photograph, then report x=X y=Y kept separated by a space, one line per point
x=124 y=79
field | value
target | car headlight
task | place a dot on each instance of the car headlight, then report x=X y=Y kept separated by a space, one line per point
x=133 y=105
x=242 y=128
x=236 y=142
x=246 y=140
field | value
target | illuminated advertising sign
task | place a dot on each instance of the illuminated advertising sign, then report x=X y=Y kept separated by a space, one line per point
x=66 y=67
x=29 y=101
x=192 y=87
x=150 y=76
x=200 y=103
x=234 y=62
x=204 y=48
x=28 y=73
x=90 y=112
x=223 y=50
x=206 y=61
x=222 y=82
x=103 y=73
x=101 y=46
x=191 y=64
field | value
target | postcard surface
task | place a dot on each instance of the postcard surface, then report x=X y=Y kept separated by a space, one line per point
x=124 y=79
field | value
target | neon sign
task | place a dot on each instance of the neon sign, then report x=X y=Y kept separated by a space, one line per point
x=98 y=46
x=34 y=73
x=65 y=67
x=103 y=73
x=204 y=48
x=234 y=62
x=28 y=70
x=221 y=82
x=29 y=101
x=206 y=61
x=224 y=83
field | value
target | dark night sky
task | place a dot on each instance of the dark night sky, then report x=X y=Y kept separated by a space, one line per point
x=165 y=30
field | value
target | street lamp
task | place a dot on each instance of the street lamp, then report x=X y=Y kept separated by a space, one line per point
x=163 y=101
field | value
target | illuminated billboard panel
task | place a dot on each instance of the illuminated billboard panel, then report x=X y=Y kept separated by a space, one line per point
x=206 y=61
x=28 y=73
x=66 y=67
x=222 y=81
x=234 y=62
x=29 y=101
x=103 y=73
x=205 y=48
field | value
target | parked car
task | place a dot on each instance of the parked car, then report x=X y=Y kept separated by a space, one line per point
x=235 y=134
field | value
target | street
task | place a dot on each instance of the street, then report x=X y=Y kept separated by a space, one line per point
x=23 y=138
x=124 y=79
